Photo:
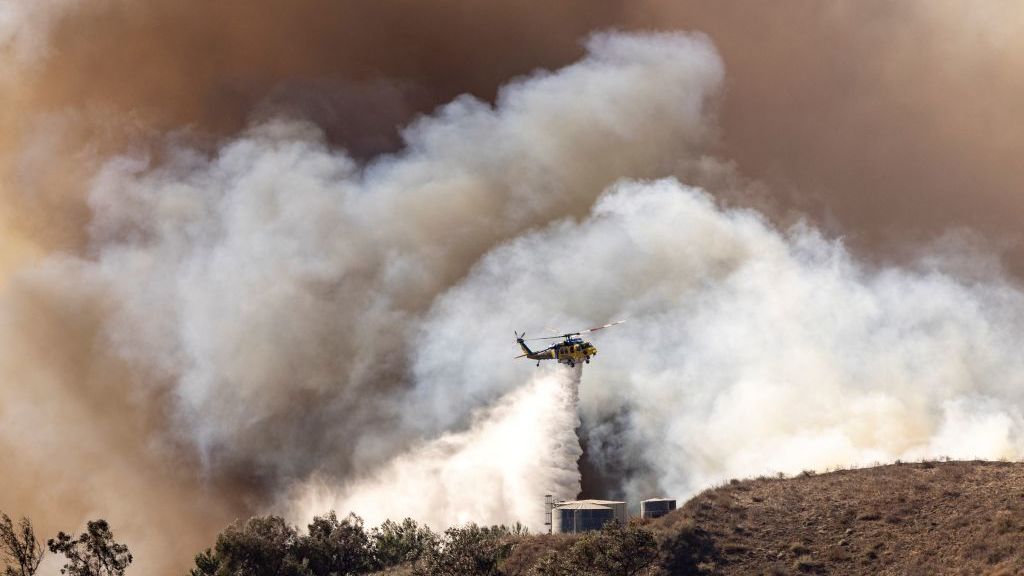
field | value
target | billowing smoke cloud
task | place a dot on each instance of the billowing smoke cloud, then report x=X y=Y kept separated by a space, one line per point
x=256 y=308
x=83 y=80
x=229 y=301
x=275 y=284
x=747 y=350
x=889 y=123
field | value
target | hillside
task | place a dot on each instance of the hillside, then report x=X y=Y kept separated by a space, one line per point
x=924 y=518
x=916 y=519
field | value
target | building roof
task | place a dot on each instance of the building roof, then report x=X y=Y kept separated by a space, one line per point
x=603 y=502
x=580 y=505
x=660 y=500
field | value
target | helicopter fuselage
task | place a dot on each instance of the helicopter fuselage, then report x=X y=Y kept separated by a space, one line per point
x=571 y=352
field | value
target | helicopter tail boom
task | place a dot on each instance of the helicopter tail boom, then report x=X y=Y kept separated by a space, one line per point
x=522 y=343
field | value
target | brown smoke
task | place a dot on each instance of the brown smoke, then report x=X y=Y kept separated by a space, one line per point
x=115 y=73
x=888 y=123
x=80 y=439
x=891 y=122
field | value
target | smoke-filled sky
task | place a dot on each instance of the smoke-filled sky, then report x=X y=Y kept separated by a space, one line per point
x=268 y=257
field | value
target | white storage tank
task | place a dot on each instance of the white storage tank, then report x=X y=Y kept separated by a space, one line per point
x=656 y=507
x=618 y=507
x=579 y=516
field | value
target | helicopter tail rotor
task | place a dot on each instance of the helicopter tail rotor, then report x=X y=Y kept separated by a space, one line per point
x=522 y=344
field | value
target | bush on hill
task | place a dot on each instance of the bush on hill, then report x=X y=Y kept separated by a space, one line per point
x=615 y=550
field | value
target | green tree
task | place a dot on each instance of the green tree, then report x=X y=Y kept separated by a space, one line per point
x=615 y=550
x=269 y=546
x=336 y=548
x=261 y=546
x=93 y=553
x=19 y=547
x=467 y=551
x=395 y=543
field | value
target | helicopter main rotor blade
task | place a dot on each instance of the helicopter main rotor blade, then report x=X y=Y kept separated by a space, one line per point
x=577 y=333
x=601 y=327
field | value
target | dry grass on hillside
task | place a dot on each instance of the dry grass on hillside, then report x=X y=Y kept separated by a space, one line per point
x=926 y=518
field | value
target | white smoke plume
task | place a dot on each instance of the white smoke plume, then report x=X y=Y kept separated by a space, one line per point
x=274 y=286
x=496 y=472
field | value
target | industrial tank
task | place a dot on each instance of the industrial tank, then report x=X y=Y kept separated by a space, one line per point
x=619 y=508
x=656 y=507
x=573 y=517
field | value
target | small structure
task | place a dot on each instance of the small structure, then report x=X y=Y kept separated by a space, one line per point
x=619 y=508
x=579 y=516
x=574 y=516
x=656 y=507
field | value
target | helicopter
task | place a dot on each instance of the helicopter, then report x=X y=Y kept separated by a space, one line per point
x=571 y=350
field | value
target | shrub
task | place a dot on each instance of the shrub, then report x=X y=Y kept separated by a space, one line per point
x=466 y=551
x=615 y=550
x=335 y=547
x=395 y=543
x=268 y=546
x=686 y=549
x=261 y=546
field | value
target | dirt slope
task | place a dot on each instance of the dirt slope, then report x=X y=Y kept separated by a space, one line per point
x=922 y=518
